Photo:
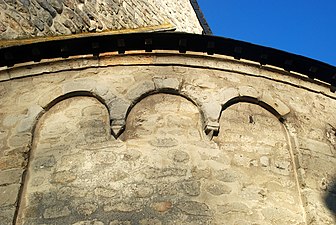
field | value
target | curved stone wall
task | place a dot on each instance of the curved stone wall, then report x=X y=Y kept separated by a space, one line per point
x=23 y=19
x=164 y=138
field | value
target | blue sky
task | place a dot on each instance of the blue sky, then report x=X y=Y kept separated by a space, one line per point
x=304 y=27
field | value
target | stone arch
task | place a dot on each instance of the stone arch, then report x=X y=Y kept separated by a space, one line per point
x=164 y=87
x=257 y=101
x=162 y=106
x=261 y=164
x=227 y=96
x=69 y=122
x=48 y=101
x=72 y=94
x=116 y=105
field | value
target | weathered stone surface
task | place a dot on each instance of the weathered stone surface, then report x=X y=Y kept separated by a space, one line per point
x=122 y=207
x=234 y=207
x=217 y=188
x=9 y=194
x=162 y=206
x=264 y=161
x=278 y=105
x=138 y=90
x=12 y=161
x=7 y=215
x=191 y=188
x=167 y=83
x=150 y=222
x=20 y=140
x=63 y=177
x=56 y=212
x=12 y=176
x=96 y=16
x=227 y=176
x=61 y=29
x=132 y=155
x=180 y=156
x=154 y=173
x=249 y=91
x=105 y=193
x=88 y=222
x=194 y=208
x=119 y=222
x=45 y=5
x=57 y=5
x=87 y=209
x=164 y=142
x=44 y=162
x=163 y=168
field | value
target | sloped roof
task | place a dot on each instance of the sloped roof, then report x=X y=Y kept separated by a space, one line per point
x=41 y=18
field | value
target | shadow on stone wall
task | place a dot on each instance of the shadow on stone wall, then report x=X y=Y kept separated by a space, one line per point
x=330 y=198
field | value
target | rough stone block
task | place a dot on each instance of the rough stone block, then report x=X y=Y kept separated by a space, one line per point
x=275 y=103
x=26 y=125
x=79 y=85
x=7 y=216
x=166 y=83
x=122 y=207
x=150 y=222
x=191 y=188
x=140 y=89
x=234 y=207
x=9 y=194
x=12 y=176
x=87 y=208
x=315 y=146
x=4 y=76
x=11 y=120
x=194 y=208
x=12 y=161
x=49 y=96
x=161 y=206
x=224 y=95
x=118 y=108
x=56 y=212
x=217 y=188
x=19 y=140
x=212 y=110
x=249 y=92
x=90 y=222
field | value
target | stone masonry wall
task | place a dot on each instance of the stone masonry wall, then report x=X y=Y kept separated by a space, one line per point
x=130 y=139
x=22 y=19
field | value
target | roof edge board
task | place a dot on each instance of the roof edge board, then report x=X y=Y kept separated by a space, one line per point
x=181 y=42
x=201 y=18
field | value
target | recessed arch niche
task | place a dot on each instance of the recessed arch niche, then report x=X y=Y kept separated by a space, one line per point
x=164 y=116
x=58 y=167
x=256 y=146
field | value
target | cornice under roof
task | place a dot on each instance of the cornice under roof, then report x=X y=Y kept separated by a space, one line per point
x=181 y=42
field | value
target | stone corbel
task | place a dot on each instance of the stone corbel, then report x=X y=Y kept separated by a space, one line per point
x=117 y=128
x=211 y=129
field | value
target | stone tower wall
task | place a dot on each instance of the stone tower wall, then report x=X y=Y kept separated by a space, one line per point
x=131 y=139
x=24 y=19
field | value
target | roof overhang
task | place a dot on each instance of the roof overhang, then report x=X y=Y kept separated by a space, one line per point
x=182 y=42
